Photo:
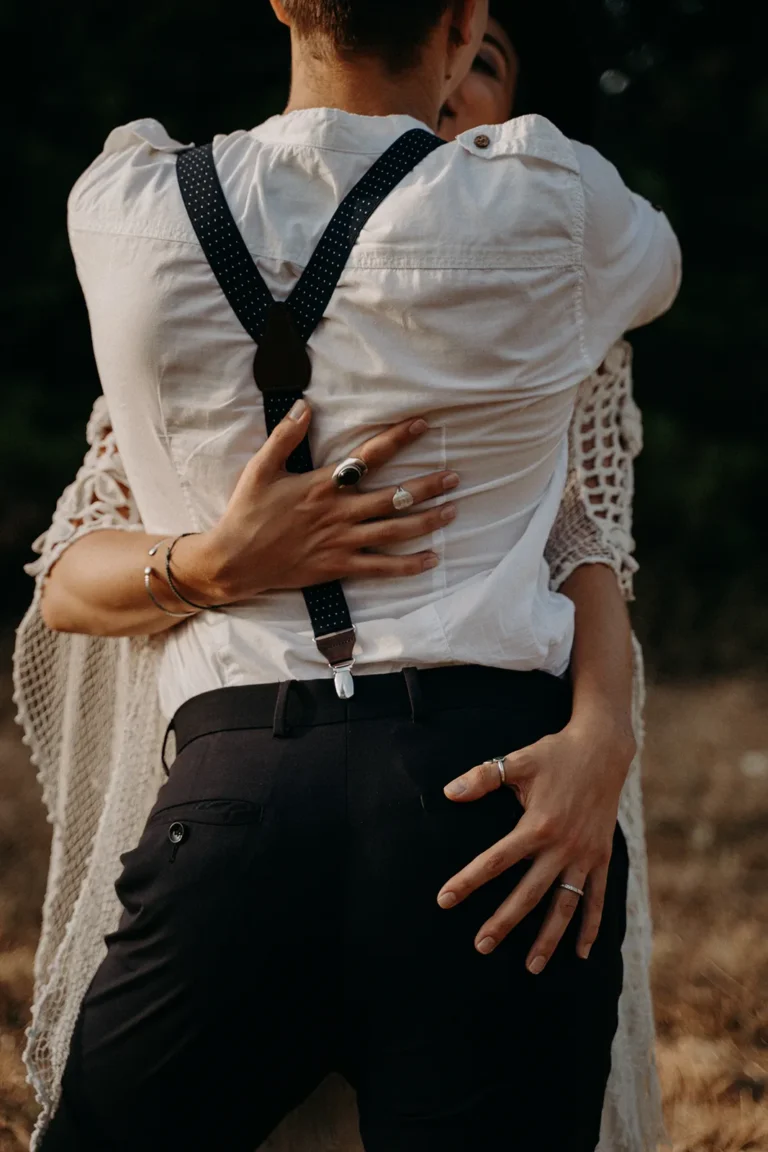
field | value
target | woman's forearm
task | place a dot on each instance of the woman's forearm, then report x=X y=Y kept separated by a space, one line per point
x=601 y=665
x=97 y=585
x=279 y=530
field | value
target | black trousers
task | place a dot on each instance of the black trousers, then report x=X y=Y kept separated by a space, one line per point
x=280 y=922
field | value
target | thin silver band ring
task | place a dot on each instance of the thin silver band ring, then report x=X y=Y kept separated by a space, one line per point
x=572 y=888
x=499 y=762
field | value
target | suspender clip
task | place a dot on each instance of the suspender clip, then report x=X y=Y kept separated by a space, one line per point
x=342 y=680
x=337 y=647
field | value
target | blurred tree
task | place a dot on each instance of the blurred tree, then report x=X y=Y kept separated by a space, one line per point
x=691 y=132
x=680 y=98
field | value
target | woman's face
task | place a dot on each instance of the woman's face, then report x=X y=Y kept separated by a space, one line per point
x=487 y=93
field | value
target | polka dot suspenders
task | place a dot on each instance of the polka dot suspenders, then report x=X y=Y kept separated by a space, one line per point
x=282 y=367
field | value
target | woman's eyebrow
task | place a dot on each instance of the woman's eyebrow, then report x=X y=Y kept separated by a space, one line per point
x=491 y=39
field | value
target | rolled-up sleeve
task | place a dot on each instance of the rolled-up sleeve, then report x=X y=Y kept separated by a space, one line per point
x=631 y=257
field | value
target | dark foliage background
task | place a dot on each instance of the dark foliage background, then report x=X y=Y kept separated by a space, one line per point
x=680 y=99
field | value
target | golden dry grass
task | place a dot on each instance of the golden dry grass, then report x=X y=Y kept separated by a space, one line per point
x=707 y=811
x=707 y=808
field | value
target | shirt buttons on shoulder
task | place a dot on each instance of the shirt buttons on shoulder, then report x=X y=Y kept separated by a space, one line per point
x=482 y=141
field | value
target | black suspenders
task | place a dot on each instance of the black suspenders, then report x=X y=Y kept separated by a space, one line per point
x=282 y=368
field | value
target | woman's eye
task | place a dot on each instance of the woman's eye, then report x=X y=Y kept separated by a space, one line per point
x=480 y=64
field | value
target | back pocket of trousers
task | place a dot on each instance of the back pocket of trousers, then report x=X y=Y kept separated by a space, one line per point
x=188 y=850
x=213 y=811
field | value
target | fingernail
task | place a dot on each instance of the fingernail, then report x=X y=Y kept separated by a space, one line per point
x=536 y=965
x=455 y=788
x=451 y=481
x=448 y=513
x=447 y=899
x=418 y=427
x=486 y=945
x=583 y=951
x=298 y=410
x=431 y=562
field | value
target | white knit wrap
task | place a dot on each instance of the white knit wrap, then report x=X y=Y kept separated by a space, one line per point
x=91 y=720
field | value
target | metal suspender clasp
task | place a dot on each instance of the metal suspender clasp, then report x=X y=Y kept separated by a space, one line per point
x=337 y=647
x=342 y=680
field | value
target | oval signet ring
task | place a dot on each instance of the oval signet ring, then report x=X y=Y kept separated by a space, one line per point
x=402 y=499
x=349 y=472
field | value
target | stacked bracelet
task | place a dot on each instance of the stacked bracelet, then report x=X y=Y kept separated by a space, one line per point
x=172 y=583
x=149 y=572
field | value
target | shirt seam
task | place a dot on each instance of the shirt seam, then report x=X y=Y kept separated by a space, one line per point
x=486 y=259
x=580 y=229
x=308 y=145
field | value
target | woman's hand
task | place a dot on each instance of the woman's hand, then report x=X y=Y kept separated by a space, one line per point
x=282 y=530
x=278 y=531
x=569 y=785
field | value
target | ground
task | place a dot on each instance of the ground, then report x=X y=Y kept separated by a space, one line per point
x=706 y=771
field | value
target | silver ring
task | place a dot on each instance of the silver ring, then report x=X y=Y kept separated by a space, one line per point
x=572 y=888
x=349 y=472
x=499 y=762
x=402 y=499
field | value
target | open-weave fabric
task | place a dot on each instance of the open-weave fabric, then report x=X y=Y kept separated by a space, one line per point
x=91 y=719
x=596 y=511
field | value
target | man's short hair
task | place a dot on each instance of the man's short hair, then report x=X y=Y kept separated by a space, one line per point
x=394 y=30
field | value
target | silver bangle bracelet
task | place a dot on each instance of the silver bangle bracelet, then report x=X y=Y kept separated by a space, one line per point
x=149 y=572
x=172 y=583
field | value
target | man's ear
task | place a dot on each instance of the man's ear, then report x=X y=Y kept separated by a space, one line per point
x=468 y=25
x=470 y=21
x=279 y=11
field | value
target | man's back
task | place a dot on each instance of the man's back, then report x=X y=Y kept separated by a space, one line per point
x=483 y=290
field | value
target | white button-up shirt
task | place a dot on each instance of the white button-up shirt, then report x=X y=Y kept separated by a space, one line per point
x=483 y=290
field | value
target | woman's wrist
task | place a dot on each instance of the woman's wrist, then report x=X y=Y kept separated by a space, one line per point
x=199 y=570
x=606 y=726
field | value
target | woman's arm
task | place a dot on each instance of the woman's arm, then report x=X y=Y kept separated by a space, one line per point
x=570 y=783
x=97 y=587
x=601 y=662
x=279 y=531
x=590 y=549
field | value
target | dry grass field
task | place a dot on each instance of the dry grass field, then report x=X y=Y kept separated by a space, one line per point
x=707 y=806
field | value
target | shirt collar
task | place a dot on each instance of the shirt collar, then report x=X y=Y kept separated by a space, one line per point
x=334 y=129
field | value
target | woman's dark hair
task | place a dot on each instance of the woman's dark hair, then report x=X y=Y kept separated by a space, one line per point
x=558 y=75
x=394 y=30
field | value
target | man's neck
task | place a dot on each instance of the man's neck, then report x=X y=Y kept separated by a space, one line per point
x=364 y=87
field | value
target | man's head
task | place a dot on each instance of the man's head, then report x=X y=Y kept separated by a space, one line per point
x=433 y=41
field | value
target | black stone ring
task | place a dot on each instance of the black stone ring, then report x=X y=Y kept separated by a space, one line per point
x=349 y=472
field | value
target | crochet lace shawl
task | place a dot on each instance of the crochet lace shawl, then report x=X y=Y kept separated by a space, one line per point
x=89 y=710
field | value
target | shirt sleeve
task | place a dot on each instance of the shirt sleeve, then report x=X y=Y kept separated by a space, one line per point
x=631 y=258
x=122 y=177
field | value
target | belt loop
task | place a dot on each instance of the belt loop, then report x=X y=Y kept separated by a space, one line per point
x=164 y=748
x=280 y=725
x=415 y=694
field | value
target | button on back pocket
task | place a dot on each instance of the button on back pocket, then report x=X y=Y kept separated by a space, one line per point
x=185 y=818
x=206 y=841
